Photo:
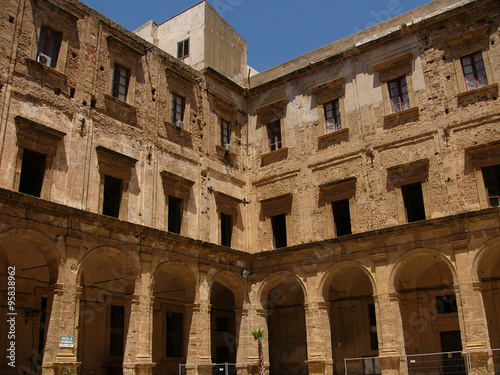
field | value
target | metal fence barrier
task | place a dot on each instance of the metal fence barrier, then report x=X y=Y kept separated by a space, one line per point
x=447 y=363
x=220 y=368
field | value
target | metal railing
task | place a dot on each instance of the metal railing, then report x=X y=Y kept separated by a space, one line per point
x=446 y=363
x=220 y=368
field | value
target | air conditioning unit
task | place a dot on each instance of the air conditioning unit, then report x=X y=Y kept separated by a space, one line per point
x=228 y=147
x=44 y=59
x=179 y=124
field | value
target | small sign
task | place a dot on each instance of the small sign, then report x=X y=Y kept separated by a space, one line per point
x=417 y=350
x=66 y=341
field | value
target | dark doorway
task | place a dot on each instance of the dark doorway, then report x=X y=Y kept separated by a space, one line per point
x=453 y=361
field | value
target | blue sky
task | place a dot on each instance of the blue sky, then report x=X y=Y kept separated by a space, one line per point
x=275 y=30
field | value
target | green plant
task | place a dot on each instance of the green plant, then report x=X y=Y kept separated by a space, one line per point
x=258 y=335
x=68 y=371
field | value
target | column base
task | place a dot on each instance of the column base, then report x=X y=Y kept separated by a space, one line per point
x=138 y=368
x=320 y=367
x=481 y=363
x=61 y=368
x=394 y=365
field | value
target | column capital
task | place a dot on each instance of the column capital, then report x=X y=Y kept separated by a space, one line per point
x=379 y=258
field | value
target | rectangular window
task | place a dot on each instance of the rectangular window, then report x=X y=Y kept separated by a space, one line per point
x=183 y=49
x=32 y=173
x=278 y=224
x=112 y=196
x=49 y=43
x=274 y=135
x=175 y=211
x=225 y=133
x=341 y=217
x=174 y=334
x=446 y=304
x=117 y=328
x=226 y=229
x=178 y=105
x=121 y=76
x=332 y=116
x=398 y=92
x=222 y=324
x=413 y=201
x=491 y=177
x=474 y=71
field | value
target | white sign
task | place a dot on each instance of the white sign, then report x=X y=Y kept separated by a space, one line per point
x=66 y=342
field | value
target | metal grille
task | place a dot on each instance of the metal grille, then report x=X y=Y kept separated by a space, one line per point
x=451 y=363
x=221 y=368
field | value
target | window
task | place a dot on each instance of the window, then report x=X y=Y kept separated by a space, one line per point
x=341 y=217
x=491 y=176
x=278 y=224
x=446 y=304
x=49 y=43
x=274 y=135
x=373 y=327
x=174 y=334
x=398 y=92
x=225 y=133
x=474 y=71
x=116 y=333
x=226 y=229
x=183 y=49
x=413 y=201
x=332 y=116
x=32 y=173
x=175 y=211
x=178 y=106
x=121 y=76
x=112 y=196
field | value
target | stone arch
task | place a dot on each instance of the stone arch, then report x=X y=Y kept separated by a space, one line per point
x=486 y=273
x=486 y=260
x=234 y=284
x=276 y=279
x=341 y=267
x=182 y=272
x=424 y=281
x=349 y=288
x=431 y=257
x=46 y=246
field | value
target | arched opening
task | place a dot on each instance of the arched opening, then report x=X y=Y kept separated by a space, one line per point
x=287 y=329
x=223 y=330
x=24 y=266
x=173 y=290
x=429 y=310
x=488 y=271
x=352 y=316
x=107 y=280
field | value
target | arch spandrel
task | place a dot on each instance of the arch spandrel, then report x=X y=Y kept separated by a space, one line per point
x=486 y=263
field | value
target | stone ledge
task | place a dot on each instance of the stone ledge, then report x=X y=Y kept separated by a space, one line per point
x=477 y=95
x=402 y=117
x=328 y=139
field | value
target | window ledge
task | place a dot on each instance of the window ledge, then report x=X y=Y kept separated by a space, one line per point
x=44 y=69
x=221 y=151
x=274 y=156
x=178 y=129
x=476 y=95
x=333 y=137
x=120 y=110
x=402 y=117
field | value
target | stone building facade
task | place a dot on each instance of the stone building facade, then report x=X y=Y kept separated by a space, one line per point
x=152 y=213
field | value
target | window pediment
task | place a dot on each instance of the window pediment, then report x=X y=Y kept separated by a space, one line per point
x=408 y=173
x=337 y=190
x=329 y=90
x=280 y=204
x=38 y=137
x=395 y=67
x=470 y=41
x=177 y=185
x=115 y=163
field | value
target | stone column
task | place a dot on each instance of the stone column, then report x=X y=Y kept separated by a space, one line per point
x=138 y=358
x=319 y=338
x=472 y=315
x=389 y=322
x=243 y=337
x=199 y=348
x=64 y=317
